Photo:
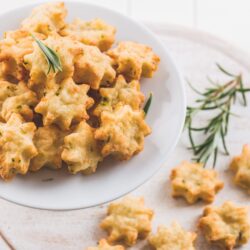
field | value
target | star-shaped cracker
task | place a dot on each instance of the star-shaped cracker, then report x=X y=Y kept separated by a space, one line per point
x=86 y=64
x=122 y=92
x=15 y=45
x=64 y=103
x=46 y=19
x=128 y=220
x=49 y=143
x=104 y=245
x=193 y=182
x=134 y=60
x=81 y=152
x=241 y=166
x=226 y=226
x=95 y=32
x=122 y=132
x=16 y=146
x=36 y=62
x=93 y=67
x=16 y=98
x=174 y=237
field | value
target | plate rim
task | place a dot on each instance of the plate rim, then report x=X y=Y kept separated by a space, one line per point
x=181 y=116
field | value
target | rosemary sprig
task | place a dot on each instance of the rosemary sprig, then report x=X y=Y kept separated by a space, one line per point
x=219 y=98
x=51 y=56
x=148 y=104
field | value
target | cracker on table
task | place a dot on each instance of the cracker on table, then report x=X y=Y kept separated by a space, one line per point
x=241 y=167
x=127 y=220
x=104 y=245
x=193 y=182
x=226 y=226
x=174 y=237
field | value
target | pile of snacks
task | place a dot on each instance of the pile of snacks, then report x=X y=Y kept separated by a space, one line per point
x=67 y=97
x=129 y=220
x=226 y=226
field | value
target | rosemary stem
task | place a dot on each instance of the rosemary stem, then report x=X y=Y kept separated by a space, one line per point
x=219 y=98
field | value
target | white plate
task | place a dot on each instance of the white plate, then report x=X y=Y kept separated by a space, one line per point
x=112 y=179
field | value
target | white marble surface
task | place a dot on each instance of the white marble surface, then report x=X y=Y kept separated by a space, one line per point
x=29 y=229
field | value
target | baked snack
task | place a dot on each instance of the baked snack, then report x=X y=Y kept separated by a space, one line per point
x=46 y=19
x=49 y=143
x=15 y=45
x=122 y=132
x=104 y=245
x=17 y=98
x=134 y=60
x=172 y=238
x=122 y=93
x=81 y=151
x=128 y=220
x=95 y=32
x=226 y=226
x=61 y=79
x=64 y=104
x=241 y=166
x=93 y=67
x=193 y=182
x=16 y=146
x=86 y=64
x=40 y=73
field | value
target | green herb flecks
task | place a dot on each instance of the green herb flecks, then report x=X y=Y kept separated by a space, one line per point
x=219 y=98
x=148 y=104
x=51 y=56
x=104 y=101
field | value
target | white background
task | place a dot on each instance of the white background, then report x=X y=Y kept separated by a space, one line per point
x=228 y=19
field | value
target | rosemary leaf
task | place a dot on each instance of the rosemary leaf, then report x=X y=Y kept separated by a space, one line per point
x=148 y=103
x=215 y=156
x=193 y=88
x=51 y=56
x=224 y=71
x=242 y=93
x=198 y=129
x=191 y=138
x=224 y=142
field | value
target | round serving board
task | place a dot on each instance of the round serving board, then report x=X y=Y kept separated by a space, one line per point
x=195 y=53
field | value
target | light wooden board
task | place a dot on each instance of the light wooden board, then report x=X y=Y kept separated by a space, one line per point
x=196 y=54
